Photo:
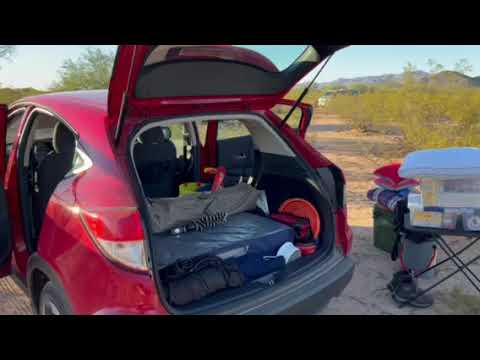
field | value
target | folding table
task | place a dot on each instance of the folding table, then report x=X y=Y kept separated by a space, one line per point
x=438 y=237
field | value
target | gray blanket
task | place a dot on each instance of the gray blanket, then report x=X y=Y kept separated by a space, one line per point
x=167 y=213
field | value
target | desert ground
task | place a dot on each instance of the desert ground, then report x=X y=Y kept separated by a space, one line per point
x=358 y=154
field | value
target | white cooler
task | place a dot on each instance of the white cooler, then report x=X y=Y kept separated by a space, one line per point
x=448 y=177
x=449 y=184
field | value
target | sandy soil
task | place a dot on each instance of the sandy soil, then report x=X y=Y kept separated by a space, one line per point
x=12 y=299
x=355 y=153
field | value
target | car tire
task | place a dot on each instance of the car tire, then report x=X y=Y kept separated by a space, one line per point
x=53 y=302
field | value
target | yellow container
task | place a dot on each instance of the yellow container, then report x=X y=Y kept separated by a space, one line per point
x=426 y=218
x=189 y=188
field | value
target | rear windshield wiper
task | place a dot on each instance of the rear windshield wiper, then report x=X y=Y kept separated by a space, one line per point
x=304 y=92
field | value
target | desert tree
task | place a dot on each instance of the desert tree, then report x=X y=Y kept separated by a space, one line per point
x=6 y=51
x=434 y=67
x=463 y=66
x=91 y=71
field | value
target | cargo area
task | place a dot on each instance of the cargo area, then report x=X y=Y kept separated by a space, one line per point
x=242 y=246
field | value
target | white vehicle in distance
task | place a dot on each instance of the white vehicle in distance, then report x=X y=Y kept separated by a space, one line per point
x=325 y=98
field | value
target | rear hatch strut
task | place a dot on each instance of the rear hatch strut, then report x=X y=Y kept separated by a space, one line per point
x=305 y=92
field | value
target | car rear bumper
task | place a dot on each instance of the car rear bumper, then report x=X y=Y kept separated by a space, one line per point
x=305 y=297
x=309 y=296
x=329 y=287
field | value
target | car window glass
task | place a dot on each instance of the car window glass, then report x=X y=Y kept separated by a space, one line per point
x=202 y=127
x=180 y=137
x=281 y=110
x=271 y=58
x=44 y=128
x=39 y=142
x=13 y=125
x=231 y=129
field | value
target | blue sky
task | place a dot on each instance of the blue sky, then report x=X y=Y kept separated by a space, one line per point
x=37 y=65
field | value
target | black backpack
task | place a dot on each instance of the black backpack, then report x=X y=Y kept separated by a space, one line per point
x=194 y=279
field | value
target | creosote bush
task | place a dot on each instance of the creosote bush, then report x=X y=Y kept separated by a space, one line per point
x=428 y=116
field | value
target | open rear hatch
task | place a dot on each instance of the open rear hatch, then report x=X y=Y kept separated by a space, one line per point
x=147 y=78
x=181 y=241
x=149 y=81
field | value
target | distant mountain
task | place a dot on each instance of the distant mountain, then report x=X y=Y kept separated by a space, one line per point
x=446 y=78
x=441 y=78
x=372 y=80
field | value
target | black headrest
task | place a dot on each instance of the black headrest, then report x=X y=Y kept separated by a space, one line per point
x=63 y=139
x=156 y=135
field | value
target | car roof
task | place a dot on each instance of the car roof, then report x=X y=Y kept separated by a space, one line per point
x=66 y=103
x=85 y=98
x=78 y=108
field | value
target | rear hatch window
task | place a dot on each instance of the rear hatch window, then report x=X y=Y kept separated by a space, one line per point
x=148 y=77
x=214 y=70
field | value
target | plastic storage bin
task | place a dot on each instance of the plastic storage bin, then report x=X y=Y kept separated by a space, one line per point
x=436 y=217
x=450 y=193
x=420 y=217
x=450 y=178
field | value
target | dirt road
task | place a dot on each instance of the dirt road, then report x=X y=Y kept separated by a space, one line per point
x=366 y=294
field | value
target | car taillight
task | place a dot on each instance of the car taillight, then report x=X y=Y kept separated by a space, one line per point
x=119 y=235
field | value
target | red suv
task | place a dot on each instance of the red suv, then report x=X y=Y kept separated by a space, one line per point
x=79 y=170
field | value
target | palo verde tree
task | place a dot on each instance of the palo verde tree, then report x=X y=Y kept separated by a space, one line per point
x=91 y=71
x=6 y=51
x=463 y=66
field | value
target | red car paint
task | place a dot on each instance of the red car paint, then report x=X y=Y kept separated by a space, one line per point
x=93 y=284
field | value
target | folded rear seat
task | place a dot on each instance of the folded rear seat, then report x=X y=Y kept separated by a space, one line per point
x=242 y=232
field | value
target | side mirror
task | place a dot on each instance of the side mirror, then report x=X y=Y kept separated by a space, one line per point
x=3 y=141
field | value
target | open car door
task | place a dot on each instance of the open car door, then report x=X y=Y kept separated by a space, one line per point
x=301 y=117
x=5 y=235
x=148 y=78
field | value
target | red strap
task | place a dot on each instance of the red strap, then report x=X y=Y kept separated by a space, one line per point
x=219 y=178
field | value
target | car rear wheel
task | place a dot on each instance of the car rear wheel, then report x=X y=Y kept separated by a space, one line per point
x=52 y=301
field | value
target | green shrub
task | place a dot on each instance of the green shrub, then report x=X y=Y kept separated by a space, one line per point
x=8 y=95
x=311 y=98
x=427 y=116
